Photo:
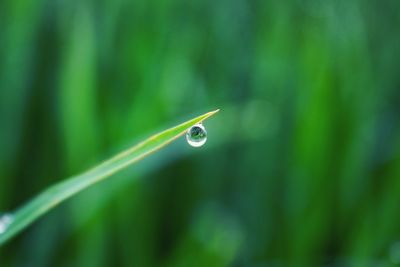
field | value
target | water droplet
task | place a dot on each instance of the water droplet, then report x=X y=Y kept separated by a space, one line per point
x=5 y=221
x=196 y=136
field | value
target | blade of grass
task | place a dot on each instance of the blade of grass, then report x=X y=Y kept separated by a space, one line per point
x=58 y=193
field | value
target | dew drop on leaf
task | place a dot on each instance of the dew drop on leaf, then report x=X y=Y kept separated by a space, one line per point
x=5 y=221
x=196 y=136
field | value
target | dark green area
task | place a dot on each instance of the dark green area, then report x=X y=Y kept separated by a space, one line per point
x=302 y=163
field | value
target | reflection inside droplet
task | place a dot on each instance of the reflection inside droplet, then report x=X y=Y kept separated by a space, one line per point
x=5 y=221
x=196 y=136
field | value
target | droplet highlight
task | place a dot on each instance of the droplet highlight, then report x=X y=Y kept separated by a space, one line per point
x=196 y=136
x=5 y=221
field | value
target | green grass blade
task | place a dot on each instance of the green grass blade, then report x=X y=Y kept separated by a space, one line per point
x=58 y=193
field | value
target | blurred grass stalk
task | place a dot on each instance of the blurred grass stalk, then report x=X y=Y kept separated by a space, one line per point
x=307 y=146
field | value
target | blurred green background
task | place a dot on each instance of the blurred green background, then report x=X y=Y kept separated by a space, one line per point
x=301 y=166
